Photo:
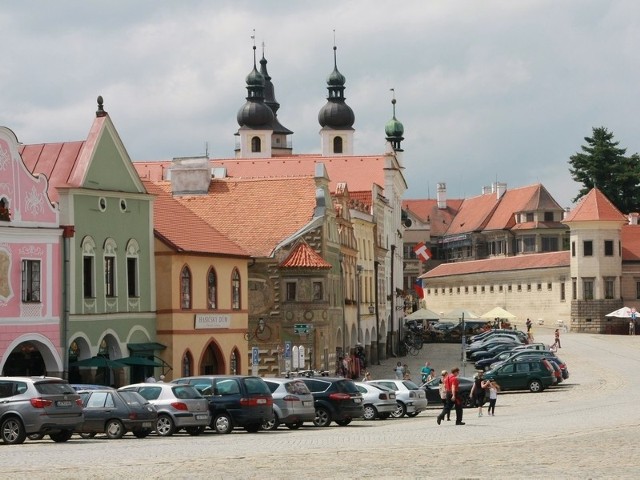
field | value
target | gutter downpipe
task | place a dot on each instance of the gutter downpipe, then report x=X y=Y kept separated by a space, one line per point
x=67 y=233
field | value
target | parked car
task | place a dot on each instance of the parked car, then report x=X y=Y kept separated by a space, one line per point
x=115 y=413
x=336 y=399
x=534 y=374
x=488 y=333
x=485 y=363
x=87 y=386
x=410 y=398
x=179 y=407
x=379 y=402
x=432 y=391
x=293 y=403
x=532 y=346
x=38 y=406
x=492 y=350
x=234 y=400
x=518 y=353
x=489 y=343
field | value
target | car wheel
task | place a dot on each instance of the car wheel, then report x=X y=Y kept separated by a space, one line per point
x=61 y=436
x=142 y=433
x=253 y=428
x=165 y=426
x=294 y=426
x=535 y=386
x=13 y=432
x=222 y=423
x=400 y=410
x=323 y=417
x=344 y=422
x=114 y=429
x=88 y=435
x=36 y=436
x=370 y=412
x=412 y=414
x=194 y=431
x=271 y=424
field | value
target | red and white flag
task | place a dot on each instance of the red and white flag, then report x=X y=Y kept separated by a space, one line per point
x=422 y=252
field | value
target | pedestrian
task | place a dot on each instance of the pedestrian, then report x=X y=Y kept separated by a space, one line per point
x=632 y=330
x=454 y=398
x=426 y=372
x=557 y=342
x=494 y=388
x=528 y=325
x=478 y=391
x=407 y=372
x=367 y=376
x=151 y=379
x=443 y=393
x=399 y=371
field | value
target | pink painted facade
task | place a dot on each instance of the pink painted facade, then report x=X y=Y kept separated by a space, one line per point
x=30 y=265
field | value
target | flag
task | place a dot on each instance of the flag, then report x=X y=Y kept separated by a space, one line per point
x=422 y=252
x=417 y=286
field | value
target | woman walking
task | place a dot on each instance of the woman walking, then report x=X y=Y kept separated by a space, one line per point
x=493 y=397
x=478 y=391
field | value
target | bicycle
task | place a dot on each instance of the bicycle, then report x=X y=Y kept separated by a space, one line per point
x=406 y=347
x=262 y=333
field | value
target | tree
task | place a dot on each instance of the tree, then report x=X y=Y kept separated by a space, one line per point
x=602 y=164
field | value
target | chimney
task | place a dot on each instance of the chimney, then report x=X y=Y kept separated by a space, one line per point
x=501 y=187
x=190 y=176
x=441 y=196
x=633 y=218
x=486 y=189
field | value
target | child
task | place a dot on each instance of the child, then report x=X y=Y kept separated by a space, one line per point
x=493 y=396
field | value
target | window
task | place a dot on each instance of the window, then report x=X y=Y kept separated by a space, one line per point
x=256 y=144
x=574 y=289
x=548 y=216
x=587 y=248
x=519 y=287
x=132 y=277
x=637 y=289
x=529 y=244
x=5 y=216
x=187 y=362
x=562 y=292
x=110 y=276
x=185 y=288
x=291 y=291
x=549 y=286
x=549 y=244
x=529 y=217
x=317 y=291
x=528 y=287
x=88 y=267
x=587 y=287
x=573 y=249
x=235 y=290
x=609 y=287
x=608 y=248
x=212 y=295
x=31 y=280
x=337 y=144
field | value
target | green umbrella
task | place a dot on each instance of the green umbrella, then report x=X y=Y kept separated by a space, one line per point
x=97 y=362
x=142 y=361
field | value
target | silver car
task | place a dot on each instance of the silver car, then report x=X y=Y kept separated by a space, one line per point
x=379 y=401
x=179 y=407
x=410 y=398
x=293 y=403
x=38 y=406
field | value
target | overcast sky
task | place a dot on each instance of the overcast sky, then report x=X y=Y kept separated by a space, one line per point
x=486 y=90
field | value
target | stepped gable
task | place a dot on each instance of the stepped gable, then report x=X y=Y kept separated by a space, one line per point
x=303 y=256
x=193 y=234
x=506 y=264
x=595 y=206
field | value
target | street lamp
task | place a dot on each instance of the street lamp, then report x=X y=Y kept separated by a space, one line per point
x=358 y=273
x=372 y=309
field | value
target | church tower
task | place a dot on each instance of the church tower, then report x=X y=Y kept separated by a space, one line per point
x=336 y=117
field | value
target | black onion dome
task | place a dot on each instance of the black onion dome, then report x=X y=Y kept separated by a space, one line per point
x=335 y=78
x=336 y=115
x=254 y=114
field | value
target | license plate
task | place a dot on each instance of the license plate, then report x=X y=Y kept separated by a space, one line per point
x=261 y=401
x=357 y=400
x=147 y=424
x=63 y=403
x=306 y=404
x=201 y=417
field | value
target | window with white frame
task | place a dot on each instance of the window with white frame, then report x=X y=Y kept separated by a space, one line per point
x=212 y=289
x=587 y=288
x=235 y=289
x=110 y=268
x=133 y=251
x=88 y=268
x=609 y=287
x=31 y=281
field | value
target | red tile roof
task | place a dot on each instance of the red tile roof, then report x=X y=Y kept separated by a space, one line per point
x=594 y=206
x=523 y=199
x=630 y=239
x=428 y=212
x=303 y=256
x=520 y=262
x=183 y=230
x=256 y=214
x=473 y=215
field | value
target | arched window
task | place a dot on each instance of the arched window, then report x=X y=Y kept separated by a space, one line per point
x=110 y=286
x=256 y=145
x=233 y=364
x=235 y=290
x=337 y=144
x=133 y=253
x=88 y=267
x=187 y=364
x=212 y=293
x=185 y=288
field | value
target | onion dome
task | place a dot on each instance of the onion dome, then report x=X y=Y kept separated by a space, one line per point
x=255 y=114
x=394 y=129
x=336 y=113
x=270 y=98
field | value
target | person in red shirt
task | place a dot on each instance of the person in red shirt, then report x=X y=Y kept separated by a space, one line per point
x=452 y=387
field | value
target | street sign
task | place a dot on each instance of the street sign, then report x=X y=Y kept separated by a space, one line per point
x=255 y=356
x=302 y=328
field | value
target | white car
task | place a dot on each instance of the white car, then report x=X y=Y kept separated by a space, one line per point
x=410 y=398
x=378 y=401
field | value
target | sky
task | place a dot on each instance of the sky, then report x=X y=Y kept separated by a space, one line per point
x=486 y=90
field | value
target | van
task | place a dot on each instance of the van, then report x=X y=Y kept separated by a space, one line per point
x=533 y=374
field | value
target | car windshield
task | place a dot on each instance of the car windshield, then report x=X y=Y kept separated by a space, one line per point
x=346 y=386
x=298 y=387
x=54 y=388
x=256 y=386
x=410 y=385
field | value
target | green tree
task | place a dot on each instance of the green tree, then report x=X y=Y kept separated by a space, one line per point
x=604 y=165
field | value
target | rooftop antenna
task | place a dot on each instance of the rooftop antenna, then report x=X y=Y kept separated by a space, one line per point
x=253 y=37
x=206 y=149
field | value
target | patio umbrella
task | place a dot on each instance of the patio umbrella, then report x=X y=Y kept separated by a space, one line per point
x=422 y=314
x=498 y=312
x=624 y=312
x=142 y=361
x=458 y=312
x=97 y=362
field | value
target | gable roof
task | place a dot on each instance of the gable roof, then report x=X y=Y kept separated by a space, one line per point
x=523 y=199
x=520 y=262
x=303 y=256
x=256 y=214
x=473 y=215
x=427 y=211
x=184 y=231
x=595 y=206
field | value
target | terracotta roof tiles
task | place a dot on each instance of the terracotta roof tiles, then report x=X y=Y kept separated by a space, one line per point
x=630 y=239
x=595 y=206
x=303 y=256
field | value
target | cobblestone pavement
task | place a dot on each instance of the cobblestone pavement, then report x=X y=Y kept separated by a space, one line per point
x=587 y=427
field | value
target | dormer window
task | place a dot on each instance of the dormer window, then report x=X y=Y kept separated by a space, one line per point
x=529 y=217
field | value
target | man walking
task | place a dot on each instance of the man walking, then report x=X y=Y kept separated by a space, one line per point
x=452 y=387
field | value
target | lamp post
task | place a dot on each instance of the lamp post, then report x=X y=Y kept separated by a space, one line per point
x=344 y=321
x=375 y=308
x=358 y=274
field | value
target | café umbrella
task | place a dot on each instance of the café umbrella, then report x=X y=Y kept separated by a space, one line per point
x=99 y=362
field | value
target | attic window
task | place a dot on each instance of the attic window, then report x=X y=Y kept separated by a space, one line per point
x=123 y=205
x=5 y=216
